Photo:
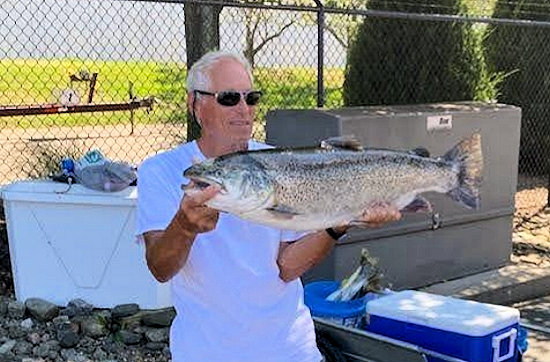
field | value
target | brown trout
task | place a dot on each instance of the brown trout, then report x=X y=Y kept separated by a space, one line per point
x=316 y=188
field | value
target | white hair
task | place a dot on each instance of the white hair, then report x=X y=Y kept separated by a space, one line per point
x=198 y=77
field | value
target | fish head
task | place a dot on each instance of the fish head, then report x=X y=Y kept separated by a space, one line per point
x=243 y=182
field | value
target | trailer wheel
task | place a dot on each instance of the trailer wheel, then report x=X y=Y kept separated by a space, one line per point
x=329 y=350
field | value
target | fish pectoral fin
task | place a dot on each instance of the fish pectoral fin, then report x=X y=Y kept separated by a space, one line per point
x=344 y=142
x=282 y=212
x=419 y=204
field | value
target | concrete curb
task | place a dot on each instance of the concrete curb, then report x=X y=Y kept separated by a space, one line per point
x=507 y=285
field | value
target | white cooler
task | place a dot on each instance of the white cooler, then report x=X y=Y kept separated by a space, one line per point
x=463 y=329
x=78 y=244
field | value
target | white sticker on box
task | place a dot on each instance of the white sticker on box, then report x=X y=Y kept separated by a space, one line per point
x=441 y=122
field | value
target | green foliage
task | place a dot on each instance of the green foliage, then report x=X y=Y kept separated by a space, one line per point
x=406 y=61
x=524 y=52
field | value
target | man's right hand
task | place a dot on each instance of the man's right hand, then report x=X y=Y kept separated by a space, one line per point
x=194 y=216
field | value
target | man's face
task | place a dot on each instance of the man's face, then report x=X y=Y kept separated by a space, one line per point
x=232 y=124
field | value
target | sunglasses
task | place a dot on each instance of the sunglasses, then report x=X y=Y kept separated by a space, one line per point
x=232 y=98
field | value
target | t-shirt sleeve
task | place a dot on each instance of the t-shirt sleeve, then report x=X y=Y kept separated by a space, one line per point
x=155 y=205
x=290 y=235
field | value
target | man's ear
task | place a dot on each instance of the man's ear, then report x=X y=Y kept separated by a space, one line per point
x=190 y=99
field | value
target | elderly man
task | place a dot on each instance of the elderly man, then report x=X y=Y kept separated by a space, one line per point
x=235 y=284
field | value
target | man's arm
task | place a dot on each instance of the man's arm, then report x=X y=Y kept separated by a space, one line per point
x=295 y=258
x=167 y=251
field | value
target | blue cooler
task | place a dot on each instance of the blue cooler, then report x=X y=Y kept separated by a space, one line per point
x=467 y=330
x=348 y=313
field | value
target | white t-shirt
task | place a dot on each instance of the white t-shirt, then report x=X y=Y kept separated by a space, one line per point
x=231 y=304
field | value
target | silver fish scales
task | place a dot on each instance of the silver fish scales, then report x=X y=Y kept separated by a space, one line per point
x=314 y=188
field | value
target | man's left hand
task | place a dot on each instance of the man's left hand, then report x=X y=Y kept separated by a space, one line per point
x=380 y=214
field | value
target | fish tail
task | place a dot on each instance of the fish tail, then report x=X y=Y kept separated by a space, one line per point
x=468 y=158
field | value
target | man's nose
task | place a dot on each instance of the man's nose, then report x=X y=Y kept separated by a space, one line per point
x=242 y=106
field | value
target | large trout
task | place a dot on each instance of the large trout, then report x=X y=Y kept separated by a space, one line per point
x=315 y=188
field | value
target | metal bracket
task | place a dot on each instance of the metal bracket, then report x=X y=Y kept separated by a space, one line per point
x=436 y=221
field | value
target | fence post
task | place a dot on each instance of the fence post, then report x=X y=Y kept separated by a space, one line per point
x=320 y=53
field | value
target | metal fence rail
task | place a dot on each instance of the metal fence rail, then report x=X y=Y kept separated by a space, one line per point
x=136 y=53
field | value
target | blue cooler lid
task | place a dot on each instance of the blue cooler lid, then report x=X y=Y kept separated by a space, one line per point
x=445 y=313
x=316 y=292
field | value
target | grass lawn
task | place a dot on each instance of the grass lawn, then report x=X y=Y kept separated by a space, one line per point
x=38 y=81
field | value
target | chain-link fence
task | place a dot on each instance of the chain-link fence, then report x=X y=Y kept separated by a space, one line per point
x=110 y=74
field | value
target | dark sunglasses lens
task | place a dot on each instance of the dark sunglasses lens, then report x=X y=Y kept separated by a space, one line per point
x=229 y=98
x=253 y=98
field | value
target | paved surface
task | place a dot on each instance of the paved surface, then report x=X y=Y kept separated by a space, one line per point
x=535 y=313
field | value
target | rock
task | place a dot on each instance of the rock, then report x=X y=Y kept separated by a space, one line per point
x=53 y=356
x=157 y=334
x=22 y=348
x=155 y=346
x=62 y=319
x=124 y=310
x=166 y=352
x=131 y=322
x=34 y=338
x=27 y=324
x=67 y=334
x=32 y=360
x=72 y=355
x=94 y=328
x=47 y=349
x=7 y=347
x=16 y=309
x=41 y=309
x=16 y=332
x=159 y=318
x=113 y=347
x=129 y=338
x=99 y=354
x=3 y=306
x=77 y=307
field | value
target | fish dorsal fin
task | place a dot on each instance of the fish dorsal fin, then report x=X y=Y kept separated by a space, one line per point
x=420 y=151
x=344 y=142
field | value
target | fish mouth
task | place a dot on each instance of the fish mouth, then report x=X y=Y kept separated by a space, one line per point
x=201 y=183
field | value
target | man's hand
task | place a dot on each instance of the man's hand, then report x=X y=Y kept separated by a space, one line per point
x=194 y=216
x=380 y=214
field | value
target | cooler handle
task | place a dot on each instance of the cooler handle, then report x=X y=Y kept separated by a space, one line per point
x=512 y=333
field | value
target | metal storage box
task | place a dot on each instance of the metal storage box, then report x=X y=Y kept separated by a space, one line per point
x=422 y=249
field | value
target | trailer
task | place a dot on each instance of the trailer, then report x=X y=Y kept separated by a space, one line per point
x=339 y=343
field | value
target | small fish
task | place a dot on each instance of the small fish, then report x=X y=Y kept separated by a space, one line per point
x=315 y=188
x=366 y=278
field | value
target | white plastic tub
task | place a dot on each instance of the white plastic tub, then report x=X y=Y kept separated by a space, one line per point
x=78 y=244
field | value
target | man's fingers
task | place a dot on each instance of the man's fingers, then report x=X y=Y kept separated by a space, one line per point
x=380 y=214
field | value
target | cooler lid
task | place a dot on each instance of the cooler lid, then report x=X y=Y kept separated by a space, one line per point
x=50 y=191
x=445 y=313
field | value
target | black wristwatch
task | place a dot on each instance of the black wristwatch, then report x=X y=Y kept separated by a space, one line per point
x=335 y=234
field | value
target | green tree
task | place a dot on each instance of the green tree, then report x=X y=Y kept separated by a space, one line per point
x=406 y=61
x=263 y=26
x=524 y=52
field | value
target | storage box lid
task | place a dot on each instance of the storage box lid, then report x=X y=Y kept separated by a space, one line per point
x=49 y=191
x=445 y=313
